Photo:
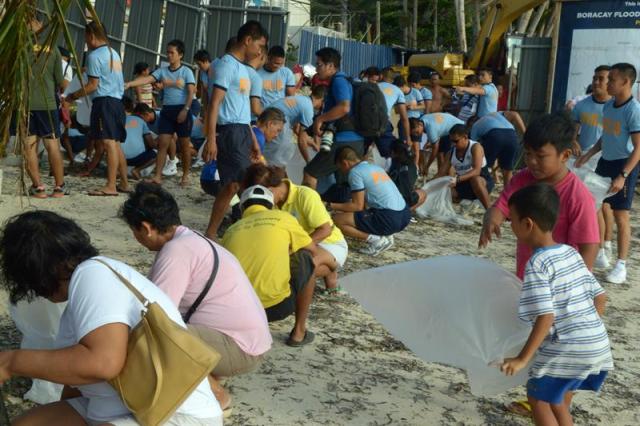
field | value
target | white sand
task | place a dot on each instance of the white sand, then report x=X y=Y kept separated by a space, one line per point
x=355 y=372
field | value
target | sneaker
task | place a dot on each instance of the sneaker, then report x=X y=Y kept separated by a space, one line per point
x=602 y=260
x=390 y=238
x=374 y=249
x=618 y=274
x=170 y=167
x=326 y=141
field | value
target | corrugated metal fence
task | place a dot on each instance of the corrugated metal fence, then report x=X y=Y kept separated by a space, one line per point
x=356 y=56
x=146 y=26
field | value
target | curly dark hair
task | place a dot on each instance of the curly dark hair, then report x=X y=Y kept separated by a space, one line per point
x=38 y=251
x=151 y=203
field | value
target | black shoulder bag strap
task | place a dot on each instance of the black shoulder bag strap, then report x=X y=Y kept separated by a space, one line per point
x=187 y=316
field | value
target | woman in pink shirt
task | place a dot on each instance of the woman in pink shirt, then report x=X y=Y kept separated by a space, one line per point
x=547 y=147
x=229 y=317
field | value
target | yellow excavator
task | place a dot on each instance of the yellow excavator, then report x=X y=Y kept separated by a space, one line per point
x=451 y=66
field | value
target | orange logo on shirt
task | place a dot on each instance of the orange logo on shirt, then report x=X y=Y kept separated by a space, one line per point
x=270 y=86
x=244 y=85
x=388 y=91
x=132 y=124
x=379 y=177
x=611 y=127
x=592 y=120
x=290 y=102
x=439 y=118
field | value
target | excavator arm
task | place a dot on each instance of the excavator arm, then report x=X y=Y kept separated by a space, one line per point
x=499 y=16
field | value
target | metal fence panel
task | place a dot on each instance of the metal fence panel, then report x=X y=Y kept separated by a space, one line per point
x=533 y=76
x=224 y=19
x=142 y=34
x=274 y=19
x=75 y=23
x=182 y=21
x=356 y=56
x=112 y=14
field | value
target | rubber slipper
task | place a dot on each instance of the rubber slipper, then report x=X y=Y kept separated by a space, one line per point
x=102 y=194
x=521 y=408
x=124 y=191
x=308 y=338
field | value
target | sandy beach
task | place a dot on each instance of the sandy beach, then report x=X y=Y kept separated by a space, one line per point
x=355 y=373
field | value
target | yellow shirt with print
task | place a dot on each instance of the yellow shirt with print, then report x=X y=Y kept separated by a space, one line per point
x=262 y=242
x=306 y=205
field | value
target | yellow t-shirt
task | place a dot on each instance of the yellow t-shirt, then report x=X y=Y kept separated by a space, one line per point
x=306 y=205
x=262 y=242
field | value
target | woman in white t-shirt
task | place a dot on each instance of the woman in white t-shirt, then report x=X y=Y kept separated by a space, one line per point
x=57 y=261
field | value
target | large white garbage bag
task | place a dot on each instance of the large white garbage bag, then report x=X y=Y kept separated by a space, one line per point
x=456 y=310
x=597 y=185
x=38 y=321
x=439 y=204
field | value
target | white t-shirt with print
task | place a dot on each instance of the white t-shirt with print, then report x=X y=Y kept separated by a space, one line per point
x=97 y=298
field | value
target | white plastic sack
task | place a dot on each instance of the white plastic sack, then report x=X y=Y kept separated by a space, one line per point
x=597 y=185
x=456 y=310
x=38 y=321
x=439 y=204
x=378 y=159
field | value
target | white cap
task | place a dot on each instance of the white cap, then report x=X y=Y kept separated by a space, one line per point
x=256 y=192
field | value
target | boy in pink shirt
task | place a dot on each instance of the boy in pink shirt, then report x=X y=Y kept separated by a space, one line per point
x=547 y=147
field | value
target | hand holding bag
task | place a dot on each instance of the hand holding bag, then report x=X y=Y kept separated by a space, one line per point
x=164 y=365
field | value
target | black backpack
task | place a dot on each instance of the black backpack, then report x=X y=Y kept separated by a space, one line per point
x=369 y=116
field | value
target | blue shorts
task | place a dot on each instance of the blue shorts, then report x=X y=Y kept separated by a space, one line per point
x=234 y=151
x=142 y=159
x=444 y=145
x=382 y=221
x=44 y=124
x=168 y=124
x=108 y=119
x=465 y=190
x=611 y=169
x=553 y=389
x=501 y=145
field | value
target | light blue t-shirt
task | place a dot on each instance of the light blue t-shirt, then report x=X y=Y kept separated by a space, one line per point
x=296 y=109
x=256 y=87
x=413 y=96
x=618 y=124
x=489 y=101
x=233 y=77
x=380 y=191
x=426 y=94
x=174 y=84
x=438 y=124
x=340 y=90
x=274 y=84
x=392 y=95
x=209 y=77
x=104 y=64
x=588 y=113
x=490 y=122
x=134 y=144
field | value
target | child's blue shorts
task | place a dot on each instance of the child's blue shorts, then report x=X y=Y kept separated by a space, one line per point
x=552 y=389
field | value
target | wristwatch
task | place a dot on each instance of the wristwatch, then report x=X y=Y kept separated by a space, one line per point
x=624 y=174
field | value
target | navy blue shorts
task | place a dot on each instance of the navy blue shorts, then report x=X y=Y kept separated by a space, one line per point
x=142 y=159
x=444 y=146
x=44 y=124
x=501 y=145
x=168 y=123
x=211 y=187
x=553 y=389
x=78 y=143
x=234 y=151
x=108 y=119
x=382 y=221
x=611 y=169
x=197 y=143
x=384 y=142
x=465 y=190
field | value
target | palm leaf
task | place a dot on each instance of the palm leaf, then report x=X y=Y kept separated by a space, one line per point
x=16 y=47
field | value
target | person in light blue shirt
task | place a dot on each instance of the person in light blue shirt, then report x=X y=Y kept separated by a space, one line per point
x=415 y=81
x=587 y=114
x=436 y=126
x=105 y=86
x=393 y=96
x=377 y=209
x=499 y=140
x=278 y=81
x=255 y=95
x=299 y=111
x=620 y=145
x=178 y=87
x=139 y=147
x=487 y=91
x=230 y=140
x=412 y=97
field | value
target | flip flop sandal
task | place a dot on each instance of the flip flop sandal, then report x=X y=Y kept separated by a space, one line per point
x=60 y=191
x=37 y=192
x=124 y=191
x=101 y=194
x=308 y=338
x=521 y=408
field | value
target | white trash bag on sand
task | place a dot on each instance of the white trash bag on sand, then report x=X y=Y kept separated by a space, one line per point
x=38 y=321
x=597 y=185
x=439 y=204
x=456 y=310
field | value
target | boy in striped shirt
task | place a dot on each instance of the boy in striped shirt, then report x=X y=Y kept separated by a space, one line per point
x=563 y=302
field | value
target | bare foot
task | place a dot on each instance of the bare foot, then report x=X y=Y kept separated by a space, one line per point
x=185 y=182
x=331 y=281
x=156 y=180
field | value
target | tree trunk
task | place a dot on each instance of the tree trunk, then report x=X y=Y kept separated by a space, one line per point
x=477 y=18
x=461 y=24
x=536 y=19
x=523 y=22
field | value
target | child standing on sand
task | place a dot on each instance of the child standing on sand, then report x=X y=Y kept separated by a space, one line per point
x=563 y=302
